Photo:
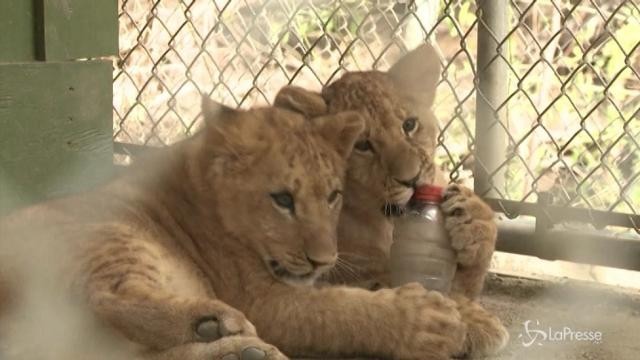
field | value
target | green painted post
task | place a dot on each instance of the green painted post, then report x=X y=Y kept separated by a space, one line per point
x=78 y=29
x=17 y=31
x=55 y=111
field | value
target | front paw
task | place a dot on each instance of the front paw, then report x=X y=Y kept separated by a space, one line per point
x=469 y=222
x=246 y=348
x=429 y=325
x=226 y=348
x=222 y=321
x=485 y=333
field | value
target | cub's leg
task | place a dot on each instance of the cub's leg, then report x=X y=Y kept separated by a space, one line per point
x=129 y=291
x=228 y=348
x=407 y=323
x=161 y=321
x=470 y=224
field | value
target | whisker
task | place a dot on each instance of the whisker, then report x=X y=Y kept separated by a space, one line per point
x=344 y=255
x=337 y=275
x=349 y=267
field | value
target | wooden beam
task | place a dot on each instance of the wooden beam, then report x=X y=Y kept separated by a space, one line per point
x=79 y=29
x=17 y=31
x=55 y=129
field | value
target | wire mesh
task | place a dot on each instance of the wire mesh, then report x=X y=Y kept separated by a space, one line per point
x=569 y=117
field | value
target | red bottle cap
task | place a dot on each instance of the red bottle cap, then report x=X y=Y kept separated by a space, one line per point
x=430 y=193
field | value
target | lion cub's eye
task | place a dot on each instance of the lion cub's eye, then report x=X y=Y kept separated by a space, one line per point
x=284 y=200
x=334 y=196
x=409 y=125
x=363 y=146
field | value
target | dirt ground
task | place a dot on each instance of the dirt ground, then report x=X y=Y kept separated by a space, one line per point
x=565 y=307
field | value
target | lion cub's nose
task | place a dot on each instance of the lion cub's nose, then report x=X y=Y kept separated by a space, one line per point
x=318 y=261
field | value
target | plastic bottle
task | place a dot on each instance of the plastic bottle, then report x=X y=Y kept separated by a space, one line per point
x=421 y=251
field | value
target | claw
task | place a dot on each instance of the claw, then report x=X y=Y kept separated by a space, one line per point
x=457 y=212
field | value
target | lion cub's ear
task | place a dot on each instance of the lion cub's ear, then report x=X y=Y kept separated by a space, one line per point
x=341 y=130
x=232 y=136
x=418 y=72
x=305 y=102
x=223 y=126
x=214 y=112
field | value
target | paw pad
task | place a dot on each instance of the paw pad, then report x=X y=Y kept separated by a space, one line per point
x=208 y=329
x=253 y=353
x=249 y=353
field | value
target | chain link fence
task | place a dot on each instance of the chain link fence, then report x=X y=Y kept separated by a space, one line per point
x=547 y=107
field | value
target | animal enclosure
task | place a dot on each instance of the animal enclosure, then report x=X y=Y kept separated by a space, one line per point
x=538 y=101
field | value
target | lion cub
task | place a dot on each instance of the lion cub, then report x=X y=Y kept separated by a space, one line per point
x=217 y=239
x=394 y=155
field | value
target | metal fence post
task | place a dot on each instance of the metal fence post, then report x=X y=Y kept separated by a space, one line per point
x=490 y=137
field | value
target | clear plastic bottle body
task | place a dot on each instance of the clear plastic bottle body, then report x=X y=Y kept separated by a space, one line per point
x=421 y=251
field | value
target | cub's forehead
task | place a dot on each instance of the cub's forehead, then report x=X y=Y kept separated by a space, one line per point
x=299 y=147
x=373 y=83
x=307 y=150
x=311 y=165
x=370 y=91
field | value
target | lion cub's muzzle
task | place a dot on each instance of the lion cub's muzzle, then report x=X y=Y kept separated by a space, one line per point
x=304 y=274
x=401 y=191
x=392 y=210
